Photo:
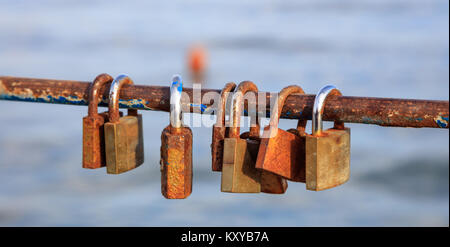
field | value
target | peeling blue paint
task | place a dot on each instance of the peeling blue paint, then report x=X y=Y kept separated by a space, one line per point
x=177 y=80
x=201 y=106
x=442 y=122
x=368 y=120
x=72 y=100
x=414 y=119
x=288 y=115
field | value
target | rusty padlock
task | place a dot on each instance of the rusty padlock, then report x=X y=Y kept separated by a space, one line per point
x=176 y=150
x=327 y=161
x=93 y=127
x=283 y=152
x=124 y=143
x=219 y=129
x=239 y=174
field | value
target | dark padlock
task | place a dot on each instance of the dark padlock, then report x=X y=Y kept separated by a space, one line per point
x=327 y=152
x=93 y=127
x=239 y=174
x=219 y=129
x=176 y=150
x=124 y=144
x=283 y=152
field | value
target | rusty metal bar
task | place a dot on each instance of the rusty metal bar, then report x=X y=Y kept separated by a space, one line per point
x=379 y=111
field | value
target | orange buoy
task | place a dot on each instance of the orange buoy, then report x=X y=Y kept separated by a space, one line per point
x=197 y=61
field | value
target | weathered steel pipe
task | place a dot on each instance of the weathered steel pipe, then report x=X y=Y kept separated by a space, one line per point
x=378 y=111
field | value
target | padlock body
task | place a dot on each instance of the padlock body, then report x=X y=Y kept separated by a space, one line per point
x=218 y=136
x=124 y=145
x=93 y=141
x=327 y=159
x=270 y=182
x=283 y=154
x=176 y=162
x=239 y=174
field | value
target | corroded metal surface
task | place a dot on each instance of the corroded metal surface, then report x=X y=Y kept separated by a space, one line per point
x=176 y=162
x=283 y=152
x=219 y=130
x=377 y=111
x=284 y=155
x=93 y=127
x=239 y=174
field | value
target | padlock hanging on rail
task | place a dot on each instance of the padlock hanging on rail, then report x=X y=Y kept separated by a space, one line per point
x=176 y=149
x=124 y=142
x=93 y=126
x=239 y=174
x=219 y=131
x=327 y=161
x=283 y=152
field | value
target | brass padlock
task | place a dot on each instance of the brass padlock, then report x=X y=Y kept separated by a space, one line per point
x=283 y=152
x=219 y=129
x=124 y=144
x=327 y=161
x=93 y=127
x=239 y=174
x=176 y=150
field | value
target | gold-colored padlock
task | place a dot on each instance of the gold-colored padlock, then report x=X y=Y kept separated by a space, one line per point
x=239 y=174
x=176 y=150
x=327 y=161
x=283 y=152
x=219 y=129
x=124 y=144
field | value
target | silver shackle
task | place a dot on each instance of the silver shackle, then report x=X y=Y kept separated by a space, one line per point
x=319 y=104
x=175 y=102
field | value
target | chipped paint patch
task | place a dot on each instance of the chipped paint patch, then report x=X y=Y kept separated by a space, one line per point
x=368 y=120
x=287 y=115
x=69 y=100
x=442 y=122
x=133 y=103
x=201 y=106
x=419 y=119
x=2 y=89
x=72 y=100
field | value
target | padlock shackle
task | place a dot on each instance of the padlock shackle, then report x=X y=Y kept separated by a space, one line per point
x=220 y=122
x=319 y=105
x=278 y=107
x=237 y=104
x=175 y=102
x=99 y=81
x=114 y=90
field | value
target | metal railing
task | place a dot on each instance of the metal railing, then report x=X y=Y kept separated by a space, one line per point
x=366 y=110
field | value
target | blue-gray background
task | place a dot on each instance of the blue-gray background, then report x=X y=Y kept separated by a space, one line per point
x=368 y=48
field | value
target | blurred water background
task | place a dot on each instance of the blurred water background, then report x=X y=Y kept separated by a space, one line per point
x=367 y=48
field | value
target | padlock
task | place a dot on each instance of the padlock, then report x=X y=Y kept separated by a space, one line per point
x=283 y=152
x=327 y=161
x=219 y=129
x=93 y=127
x=239 y=174
x=124 y=143
x=176 y=150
